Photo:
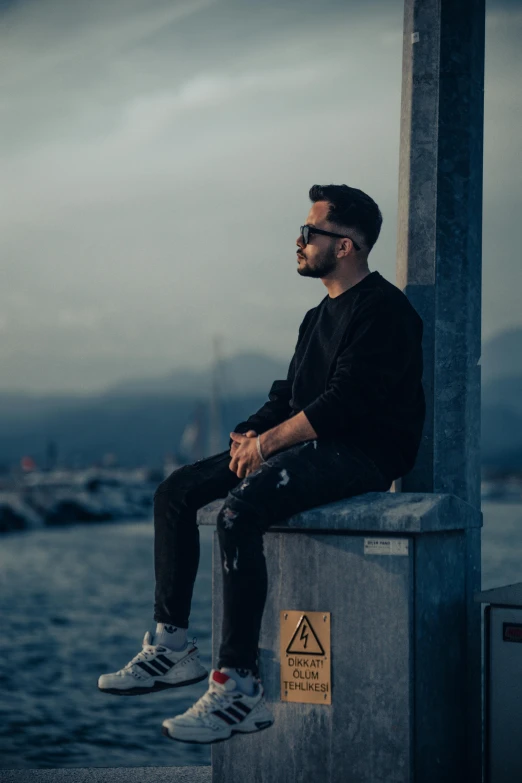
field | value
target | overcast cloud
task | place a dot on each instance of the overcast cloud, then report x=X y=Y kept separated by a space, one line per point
x=155 y=161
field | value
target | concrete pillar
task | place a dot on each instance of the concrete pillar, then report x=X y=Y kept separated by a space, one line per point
x=439 y=264
x=440 y=231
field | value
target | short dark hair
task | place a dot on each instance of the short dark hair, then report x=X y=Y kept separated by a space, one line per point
x=351 y=208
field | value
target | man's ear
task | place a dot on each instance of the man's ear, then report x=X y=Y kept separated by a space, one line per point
x=343 y=246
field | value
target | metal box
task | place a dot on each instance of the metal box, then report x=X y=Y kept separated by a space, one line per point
x=502 y=683
x=396 y=573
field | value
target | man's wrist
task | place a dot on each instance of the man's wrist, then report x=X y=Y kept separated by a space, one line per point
x=264 y=445
x=291 y=431
x=271 y=441
x=260 y=451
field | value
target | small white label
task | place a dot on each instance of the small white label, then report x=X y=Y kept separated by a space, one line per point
x=385 y=546
x=414 y=37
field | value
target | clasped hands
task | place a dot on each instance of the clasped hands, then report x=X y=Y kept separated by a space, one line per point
x=244 y=453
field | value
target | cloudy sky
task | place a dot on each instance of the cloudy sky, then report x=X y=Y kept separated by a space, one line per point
x=155 y=161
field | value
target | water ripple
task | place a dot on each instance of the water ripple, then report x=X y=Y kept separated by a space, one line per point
x=75 y=603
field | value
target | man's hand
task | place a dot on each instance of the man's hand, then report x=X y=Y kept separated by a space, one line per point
x=245 y=457
x=234 y=445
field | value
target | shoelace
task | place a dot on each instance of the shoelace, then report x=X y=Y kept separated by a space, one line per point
x=143 y=655
x=209 y=701
x=147 y=649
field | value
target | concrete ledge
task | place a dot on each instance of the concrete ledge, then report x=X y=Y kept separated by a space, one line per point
x=109 y=775
x=377 y=512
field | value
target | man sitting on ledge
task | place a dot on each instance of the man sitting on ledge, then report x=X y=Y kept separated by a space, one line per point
x=347 y=420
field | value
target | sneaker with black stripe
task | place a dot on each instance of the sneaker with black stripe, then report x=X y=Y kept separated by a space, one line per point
x=155 y=668
x=221 y=712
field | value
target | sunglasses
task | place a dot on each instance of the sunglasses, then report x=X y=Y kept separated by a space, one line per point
x=307 y=230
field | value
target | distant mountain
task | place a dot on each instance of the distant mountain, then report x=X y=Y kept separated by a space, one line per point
x=504 y=392
x=501 y=436
x=24 y=405
x=502 y=399
x=245 y=373
x=502 y=421
x=502 y=355
x=141 y=420
x=139 y=429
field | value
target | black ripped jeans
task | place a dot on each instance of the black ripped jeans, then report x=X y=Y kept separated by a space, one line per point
x=309 y=474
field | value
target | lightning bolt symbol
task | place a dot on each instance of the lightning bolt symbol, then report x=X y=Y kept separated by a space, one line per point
x=304 y=636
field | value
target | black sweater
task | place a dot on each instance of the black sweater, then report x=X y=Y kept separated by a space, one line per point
x=357 y=375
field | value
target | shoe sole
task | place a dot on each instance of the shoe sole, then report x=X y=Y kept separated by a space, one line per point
x=158 y=686
x=165 y=733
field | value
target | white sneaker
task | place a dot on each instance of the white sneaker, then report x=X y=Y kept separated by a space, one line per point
x=155 y=668
x=222 y=711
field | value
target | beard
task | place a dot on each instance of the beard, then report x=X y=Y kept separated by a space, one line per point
x=322 y=267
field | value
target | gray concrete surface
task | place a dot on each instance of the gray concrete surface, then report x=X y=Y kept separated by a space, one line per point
x=375 y=512
x=109 y=775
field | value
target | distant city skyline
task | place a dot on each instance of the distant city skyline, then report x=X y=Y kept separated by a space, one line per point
x=156 y=157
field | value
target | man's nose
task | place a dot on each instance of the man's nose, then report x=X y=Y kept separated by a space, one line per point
x=299 y=241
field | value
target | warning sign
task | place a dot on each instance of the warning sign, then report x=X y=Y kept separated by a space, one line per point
x=305 y=639
x=305 y=657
